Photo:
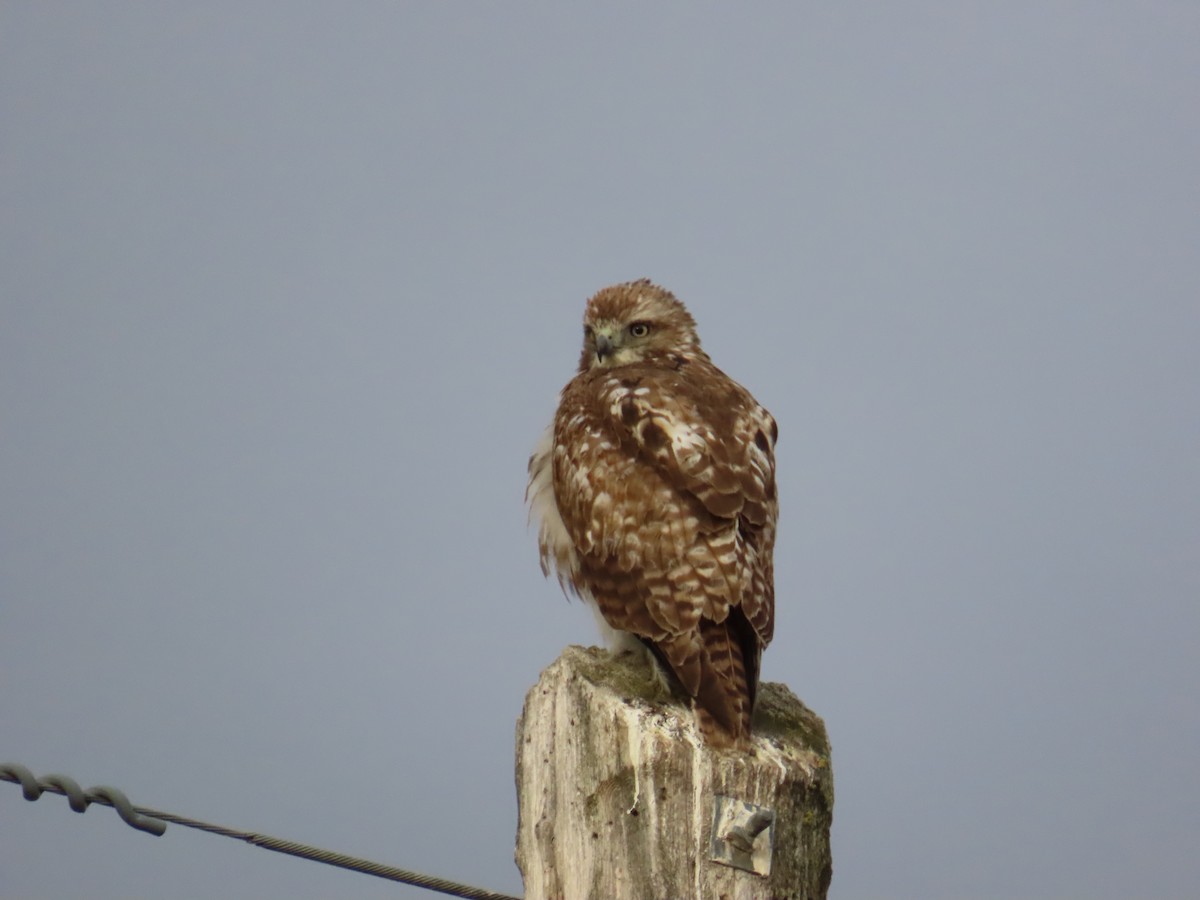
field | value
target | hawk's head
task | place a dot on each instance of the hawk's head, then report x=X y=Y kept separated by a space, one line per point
x=634 y=322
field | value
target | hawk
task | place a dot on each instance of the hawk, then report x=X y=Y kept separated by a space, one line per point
x=654 y=487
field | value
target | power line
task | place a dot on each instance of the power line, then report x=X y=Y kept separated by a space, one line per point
x=154 y=821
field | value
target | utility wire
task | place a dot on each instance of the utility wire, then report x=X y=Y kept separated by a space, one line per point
x=154 y=822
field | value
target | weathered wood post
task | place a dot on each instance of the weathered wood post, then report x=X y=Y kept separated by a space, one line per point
x=619 y=799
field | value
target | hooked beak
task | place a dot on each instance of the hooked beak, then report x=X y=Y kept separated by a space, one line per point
x=604 y=347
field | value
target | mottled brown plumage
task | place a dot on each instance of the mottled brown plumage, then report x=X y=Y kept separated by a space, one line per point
x=655 y=489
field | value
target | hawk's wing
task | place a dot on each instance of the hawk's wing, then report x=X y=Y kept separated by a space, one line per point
x=709 y=438
x=666 y=480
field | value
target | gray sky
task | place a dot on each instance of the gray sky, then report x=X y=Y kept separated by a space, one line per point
x=287 y=293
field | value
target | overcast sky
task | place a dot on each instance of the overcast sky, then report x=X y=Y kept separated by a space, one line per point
x=287 y=293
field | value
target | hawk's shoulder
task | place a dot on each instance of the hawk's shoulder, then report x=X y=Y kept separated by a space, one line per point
x=697 y=427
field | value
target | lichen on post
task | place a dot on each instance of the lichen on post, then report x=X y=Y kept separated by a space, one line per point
x=619 y=798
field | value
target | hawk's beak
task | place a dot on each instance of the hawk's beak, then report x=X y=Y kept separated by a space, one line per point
x=604 y=347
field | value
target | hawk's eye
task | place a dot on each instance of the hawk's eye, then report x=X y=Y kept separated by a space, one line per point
x=639 y=329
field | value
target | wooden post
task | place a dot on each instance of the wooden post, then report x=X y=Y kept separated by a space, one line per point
x=619 y=799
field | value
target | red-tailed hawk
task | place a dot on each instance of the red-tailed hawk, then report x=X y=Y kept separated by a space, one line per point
x=655 y=490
